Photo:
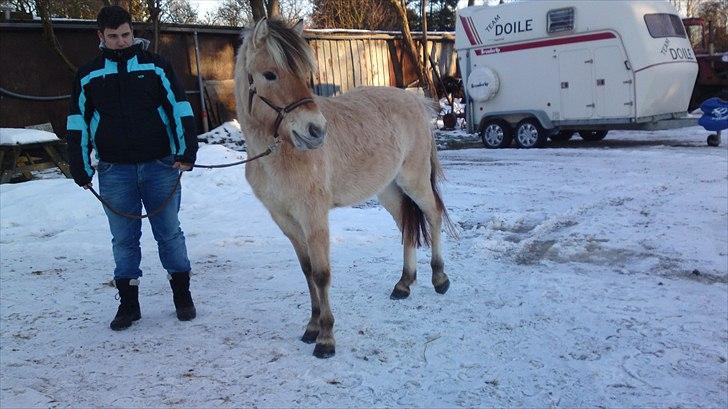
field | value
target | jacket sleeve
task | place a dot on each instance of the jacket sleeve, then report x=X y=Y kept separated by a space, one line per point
x=77 y=135
x=180 y=111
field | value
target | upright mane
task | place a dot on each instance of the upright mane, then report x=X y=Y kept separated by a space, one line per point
x=288 y=49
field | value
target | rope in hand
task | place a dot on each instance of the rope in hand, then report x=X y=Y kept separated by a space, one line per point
x=271 y=148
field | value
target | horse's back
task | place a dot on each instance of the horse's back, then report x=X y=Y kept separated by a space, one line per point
x=396 y=101
x=378 y=112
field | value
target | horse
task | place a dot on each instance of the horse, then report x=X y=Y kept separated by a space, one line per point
x=333 y=152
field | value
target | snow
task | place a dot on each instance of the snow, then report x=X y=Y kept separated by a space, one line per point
x=585 y=274
x=228 y=134
x=20 y=136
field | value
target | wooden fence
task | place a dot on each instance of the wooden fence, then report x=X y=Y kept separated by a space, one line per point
x=352 y=58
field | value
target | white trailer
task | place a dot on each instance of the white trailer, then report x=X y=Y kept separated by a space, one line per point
x=548 y=68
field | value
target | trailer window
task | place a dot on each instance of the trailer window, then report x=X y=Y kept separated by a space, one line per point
x=664 y=25
x=560 y=20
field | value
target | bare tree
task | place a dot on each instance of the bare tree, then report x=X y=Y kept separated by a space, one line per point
x=43 y=9
x=154 y=7
x=23 y=6
x=265 y=8
x=411 y=49
x=234 y=13
x=358 y=14
x=293 y=10
x=716 y=14
x=689 y=8
x=179 y=12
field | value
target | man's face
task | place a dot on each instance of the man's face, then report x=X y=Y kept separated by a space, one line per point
x=117 y=38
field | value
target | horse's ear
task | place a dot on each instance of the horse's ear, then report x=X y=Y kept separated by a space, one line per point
x=260 y=32
x=298 y=27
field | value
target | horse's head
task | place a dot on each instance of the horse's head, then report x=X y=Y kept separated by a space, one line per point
x=277 y=64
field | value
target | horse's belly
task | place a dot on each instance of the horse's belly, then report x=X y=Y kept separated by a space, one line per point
x=357 y=187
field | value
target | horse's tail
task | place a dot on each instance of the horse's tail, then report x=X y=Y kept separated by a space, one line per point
x=415 y=229
x=436 y=174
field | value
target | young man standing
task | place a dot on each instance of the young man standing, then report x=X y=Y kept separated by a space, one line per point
x=128 y=105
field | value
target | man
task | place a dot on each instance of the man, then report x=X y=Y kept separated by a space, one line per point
x=128 y=105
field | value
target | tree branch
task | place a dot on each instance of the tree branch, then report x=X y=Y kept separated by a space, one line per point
x=43 y=8
x=411 y=49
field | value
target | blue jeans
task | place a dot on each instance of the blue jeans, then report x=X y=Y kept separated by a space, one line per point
x=125 y=187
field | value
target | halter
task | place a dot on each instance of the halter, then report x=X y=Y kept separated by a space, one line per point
x=282 y=111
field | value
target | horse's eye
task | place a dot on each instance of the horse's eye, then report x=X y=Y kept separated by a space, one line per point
x=269 y=76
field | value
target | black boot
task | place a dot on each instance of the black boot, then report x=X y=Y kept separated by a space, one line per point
x=129 y=310
x=180 y=283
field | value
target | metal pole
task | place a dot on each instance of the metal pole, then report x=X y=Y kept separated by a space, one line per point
x=205 y=126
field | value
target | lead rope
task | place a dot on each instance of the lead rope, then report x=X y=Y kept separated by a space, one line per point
x=281 y=111
x=271 y=148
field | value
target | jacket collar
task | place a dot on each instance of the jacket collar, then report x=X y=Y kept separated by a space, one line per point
x=125 y=53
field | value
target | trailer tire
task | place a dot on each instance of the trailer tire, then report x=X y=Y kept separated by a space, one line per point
x=530 y=134
x=562 y=136
x=496 y=133
x=593 y=136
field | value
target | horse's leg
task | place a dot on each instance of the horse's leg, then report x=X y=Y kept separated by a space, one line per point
x=293 y=231
x=420 y=190
x=391 y=198
x=316 y=230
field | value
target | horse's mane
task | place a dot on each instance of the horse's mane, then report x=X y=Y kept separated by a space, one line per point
x=288 y=49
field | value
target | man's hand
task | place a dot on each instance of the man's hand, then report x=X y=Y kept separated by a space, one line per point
x=182 y=166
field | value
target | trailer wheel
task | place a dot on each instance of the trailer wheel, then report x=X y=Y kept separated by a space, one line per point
x=593 y=135
x=562 y=136
x=530 y=134
x=496 y=133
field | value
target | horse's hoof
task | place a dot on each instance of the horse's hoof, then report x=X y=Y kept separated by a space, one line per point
x=443 y=287
x=309 y=337
x=398 y=294
x=324 y=351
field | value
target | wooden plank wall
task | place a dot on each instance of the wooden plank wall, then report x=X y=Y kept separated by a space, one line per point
x=345 y=63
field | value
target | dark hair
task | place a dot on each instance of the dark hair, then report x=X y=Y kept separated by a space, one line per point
x=112 y=17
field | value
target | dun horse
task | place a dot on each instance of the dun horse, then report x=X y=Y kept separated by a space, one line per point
x=333 y=152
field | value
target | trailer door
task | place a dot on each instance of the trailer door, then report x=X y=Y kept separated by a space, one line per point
x=577 y=89
x=613 y=83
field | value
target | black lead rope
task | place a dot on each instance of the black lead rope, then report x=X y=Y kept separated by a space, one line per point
x=281 y=111
x=138 y=216
x=169 y=197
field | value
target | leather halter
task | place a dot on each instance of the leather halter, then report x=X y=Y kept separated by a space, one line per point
x=282 y=111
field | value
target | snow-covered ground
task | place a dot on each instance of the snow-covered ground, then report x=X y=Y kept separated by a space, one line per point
x=585 y=275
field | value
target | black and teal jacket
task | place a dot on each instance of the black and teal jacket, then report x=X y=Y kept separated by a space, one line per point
x=129 y=106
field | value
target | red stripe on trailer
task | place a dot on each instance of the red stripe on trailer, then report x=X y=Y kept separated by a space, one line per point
x=468 y=33
x=475 y=30
x=544 y=43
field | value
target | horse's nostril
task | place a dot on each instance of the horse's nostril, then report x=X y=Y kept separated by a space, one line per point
x=315 y=131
